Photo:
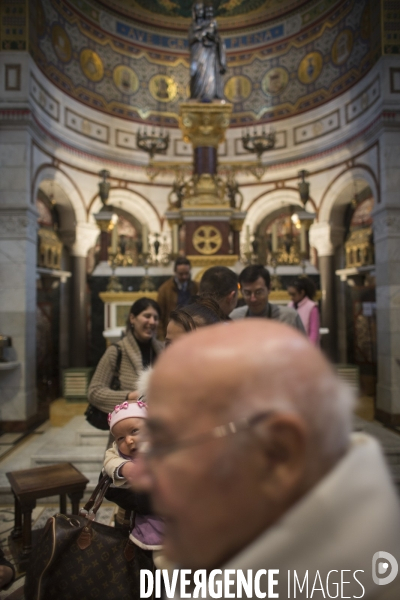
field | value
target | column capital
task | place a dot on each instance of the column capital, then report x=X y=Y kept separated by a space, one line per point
x=386 y=223
x=86 y=235
x=325 y=237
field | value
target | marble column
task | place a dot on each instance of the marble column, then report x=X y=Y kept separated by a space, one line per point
x=18 y=227
x=86 y=235
x=387 y=260
x=18 y=240
x=325 y=237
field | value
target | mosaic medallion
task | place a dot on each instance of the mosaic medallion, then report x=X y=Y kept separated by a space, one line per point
x=275 y=81
x=342 y=47
x=91 y=65
x=310 y=67
x=162 y=88
x=61 y=43
x=126 y=79
x=237 y=88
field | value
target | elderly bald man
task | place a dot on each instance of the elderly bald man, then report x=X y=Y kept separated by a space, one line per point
x=251 y=462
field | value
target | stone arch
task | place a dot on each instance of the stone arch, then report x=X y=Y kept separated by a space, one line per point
x=70 y=195
x=270 y=203
x=340 y=190
x=133 y=203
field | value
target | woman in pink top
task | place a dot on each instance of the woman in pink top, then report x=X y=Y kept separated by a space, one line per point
x=302 y=292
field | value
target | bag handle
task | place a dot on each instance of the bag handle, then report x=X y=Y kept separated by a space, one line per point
x=93 y=504
x=118 y=361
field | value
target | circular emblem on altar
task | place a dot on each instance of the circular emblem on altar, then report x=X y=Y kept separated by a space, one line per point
x=310 y=67
x=91 y=65
x=61 y=43
x=207 y=239
x=237 y=88
x=125 y=79
x=163 y=88
x=342 y=47
x=275 y=81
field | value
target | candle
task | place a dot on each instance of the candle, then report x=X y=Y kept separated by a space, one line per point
x=145 y=241
x=175 y=239
x=303 y=239
x=274 y=238
x=247 y=239
x=114 y=239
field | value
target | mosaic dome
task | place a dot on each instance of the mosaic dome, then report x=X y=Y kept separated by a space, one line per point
x=176 y=14
x=284 y=56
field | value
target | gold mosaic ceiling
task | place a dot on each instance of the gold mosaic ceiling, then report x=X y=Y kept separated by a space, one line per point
x=176 y=14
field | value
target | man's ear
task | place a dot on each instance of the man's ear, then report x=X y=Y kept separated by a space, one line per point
x=284 y=444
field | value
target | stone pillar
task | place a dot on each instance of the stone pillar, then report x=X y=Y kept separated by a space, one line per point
x=325 y=237
x=18 y=239
x=18 y=227
x=86 y=235
x=387 y=260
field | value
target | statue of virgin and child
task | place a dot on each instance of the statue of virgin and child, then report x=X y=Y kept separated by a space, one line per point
x=207 y=55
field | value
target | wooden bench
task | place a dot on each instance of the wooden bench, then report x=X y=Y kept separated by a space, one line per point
x=31 y=484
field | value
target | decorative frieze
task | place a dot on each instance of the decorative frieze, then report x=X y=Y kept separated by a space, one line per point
x=43 y=99
x=318 y=128
x=86 y=127
x=356 y=107
x=18 y=224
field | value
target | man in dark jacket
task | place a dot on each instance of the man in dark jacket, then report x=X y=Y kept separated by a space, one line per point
x=175 y=292
x=222 y=284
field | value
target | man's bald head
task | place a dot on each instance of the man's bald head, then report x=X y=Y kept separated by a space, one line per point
x=256 y=365
x=227 y=373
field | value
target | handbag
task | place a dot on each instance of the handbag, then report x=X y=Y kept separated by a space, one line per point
x=79 y=558
x=96 y=417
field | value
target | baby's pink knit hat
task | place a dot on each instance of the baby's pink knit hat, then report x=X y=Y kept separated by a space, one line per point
x=126 y=410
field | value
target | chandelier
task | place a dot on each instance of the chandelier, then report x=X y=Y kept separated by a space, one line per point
x=151 y=142
x=258 y=143
x=304 y=187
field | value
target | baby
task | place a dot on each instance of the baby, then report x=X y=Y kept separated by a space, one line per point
x=126 y=421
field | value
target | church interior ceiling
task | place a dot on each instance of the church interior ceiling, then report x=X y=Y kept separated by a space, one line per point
x=176 y=14
x=139 y=72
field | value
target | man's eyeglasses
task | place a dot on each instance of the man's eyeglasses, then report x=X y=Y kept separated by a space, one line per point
x=257 y=293
x=150 y=451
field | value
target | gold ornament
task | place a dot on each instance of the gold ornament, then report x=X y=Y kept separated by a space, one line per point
x=310 y=67
x=163 y=88
x=237 y=88
x=91 y=65
x=275 y=81
x=342 y=47
x=221 y=260
x=207 y=239
x=125 y=79
x=204 y=124
x=61 y=43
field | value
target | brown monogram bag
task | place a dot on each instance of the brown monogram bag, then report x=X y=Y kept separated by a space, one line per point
x=77 y=558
